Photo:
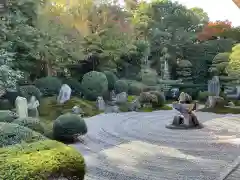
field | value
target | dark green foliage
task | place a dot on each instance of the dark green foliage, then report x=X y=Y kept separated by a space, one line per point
x=28 y=91
x=75 y=86
x=112 y=78
x=67 y=126
x=135 y=88
x=13 y=134
x=184 y=70
x=94 y=84
x=5 y=104
x=160 y=99
x=203 y=96
x=7 y=116
x=121 y=86
x=49 y=85
x=40 y=161
x=31 y=123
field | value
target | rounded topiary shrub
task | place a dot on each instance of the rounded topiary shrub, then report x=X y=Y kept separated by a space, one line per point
x=160 y=99
x=94 y=84
x=121 y=86
x=135 y=88
x=32 y=123
x=28 y=91
x=75 y=86
x=45 y=160
x=67 y=126
x=112 y=78
x=7 y=116
x=11 y=133
x=5 y=104
x=49 y=85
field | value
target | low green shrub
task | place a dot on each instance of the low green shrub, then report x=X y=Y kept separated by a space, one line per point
x=203 y=96
x=148 y=98
x=160 y=99
x=94 y=84
x=49 y=85
x=28 y=91
x=135 y=88
x=121 y=86
x=67 y=126
x=112 y=78
x=40 y=161
x=5 y=104
x=7 y=116
x=31 y=123
x=11 y=134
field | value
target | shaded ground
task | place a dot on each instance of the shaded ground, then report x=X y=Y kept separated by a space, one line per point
x=138 y=146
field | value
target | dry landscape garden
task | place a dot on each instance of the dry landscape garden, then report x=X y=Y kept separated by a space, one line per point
x=96 y=90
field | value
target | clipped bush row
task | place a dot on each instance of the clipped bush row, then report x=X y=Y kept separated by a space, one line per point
x=54 y=160
x=12 y=133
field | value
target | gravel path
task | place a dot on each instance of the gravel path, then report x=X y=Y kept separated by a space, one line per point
x=137 y=146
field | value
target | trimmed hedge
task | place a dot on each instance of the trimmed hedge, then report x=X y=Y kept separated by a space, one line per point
x=49 y=85
x=11 y=134
x=7 y=116
x=121 y=86
x=112 y=78
x=41 y=160
x=67 y=126
x=28 y=91
x=32 y=123
x=94 y=84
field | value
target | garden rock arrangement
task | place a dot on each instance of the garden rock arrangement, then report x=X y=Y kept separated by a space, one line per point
x=187 y=119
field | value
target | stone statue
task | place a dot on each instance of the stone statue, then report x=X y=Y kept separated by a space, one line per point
x=100 y=103
x=21 y=107
x=64 y=94
x=187 y=119
x=214 y=91
x=32 y=107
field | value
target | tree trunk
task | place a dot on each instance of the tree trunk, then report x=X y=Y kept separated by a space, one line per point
x=48 y=69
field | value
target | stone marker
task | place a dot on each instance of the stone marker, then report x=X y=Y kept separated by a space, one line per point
x=33 y=107
x=214 y=91
x=121 y=97
x=21 y=107
x=64 y=94
x=100 y=103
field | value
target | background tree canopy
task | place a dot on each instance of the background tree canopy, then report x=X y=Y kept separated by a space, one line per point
x=51 y=37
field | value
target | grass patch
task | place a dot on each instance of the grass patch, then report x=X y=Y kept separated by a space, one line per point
x=222 y=110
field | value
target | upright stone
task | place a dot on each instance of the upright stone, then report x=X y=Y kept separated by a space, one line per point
x=21 y=107
x=33 y=107
x=64 y=94
x=100 y=103
x=214 y=90
x=121 y=97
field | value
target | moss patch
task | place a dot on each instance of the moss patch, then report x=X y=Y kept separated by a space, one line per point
x=53 y=159
x=49 y=109
x=222 y=110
